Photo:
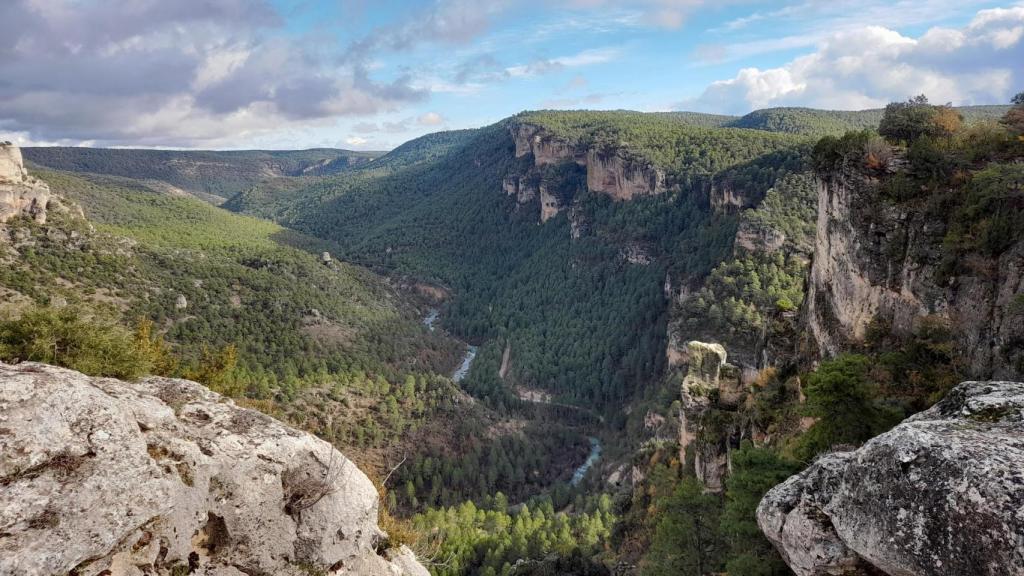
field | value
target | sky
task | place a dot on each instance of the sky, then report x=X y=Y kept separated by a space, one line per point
x=369 y=75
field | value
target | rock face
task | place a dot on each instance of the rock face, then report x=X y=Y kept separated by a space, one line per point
x=940 y=494
x=163 y=476
x=752 y=238
x=611 y=171
x=876 y=260
x=621 y=176
x=711 y=385
x=20 y=194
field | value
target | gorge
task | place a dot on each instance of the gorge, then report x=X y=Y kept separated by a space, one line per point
x=661 y=336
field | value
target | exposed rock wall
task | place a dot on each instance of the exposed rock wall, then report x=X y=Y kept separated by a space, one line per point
x=20 y=194
x=549 y=204
x=939 y=495
x=874 y=259
x=162 y=476
x=614 y=172
x=621 y=176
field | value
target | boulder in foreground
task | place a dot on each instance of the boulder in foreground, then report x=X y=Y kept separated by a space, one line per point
x=163 y=476
x=941 y=494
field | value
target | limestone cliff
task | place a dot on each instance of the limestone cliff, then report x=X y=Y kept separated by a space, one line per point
x=163 y=476
x=711 y=389
x=20 y=194
x=609 y=170
x=878 y=260
x=939 y=495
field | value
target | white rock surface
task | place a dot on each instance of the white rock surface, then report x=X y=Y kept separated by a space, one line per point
x=145 y=477
x=20 y=194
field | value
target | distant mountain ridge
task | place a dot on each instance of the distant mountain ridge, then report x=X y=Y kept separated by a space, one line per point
x=211 y=175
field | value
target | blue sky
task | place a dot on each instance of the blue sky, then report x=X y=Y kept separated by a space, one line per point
x=370 y=75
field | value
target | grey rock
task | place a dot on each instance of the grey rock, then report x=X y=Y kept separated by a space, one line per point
x=20 y=194
x=143 y=477
x=874 y=260
x=711 y=390
x=941 y=494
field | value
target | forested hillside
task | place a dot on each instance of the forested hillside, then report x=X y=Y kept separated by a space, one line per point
x=576 y=293
x=142 y=281
x=212 y=176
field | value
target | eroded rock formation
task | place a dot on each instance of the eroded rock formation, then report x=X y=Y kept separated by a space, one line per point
x=711 y=386
x=20 y=194
x=874 y=259
x=941 y=494
x=611 y=171
x=163 y=476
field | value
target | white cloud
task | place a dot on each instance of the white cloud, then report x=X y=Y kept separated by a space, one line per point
x=870 y=66
x=356 y=141
x=584 y=58
x=181 y=73
x=431 y=119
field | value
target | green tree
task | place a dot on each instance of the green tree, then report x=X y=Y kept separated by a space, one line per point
x=88 y=341
x=686 y=541
x=754 y=472
x=910 y=120
x=841 y=395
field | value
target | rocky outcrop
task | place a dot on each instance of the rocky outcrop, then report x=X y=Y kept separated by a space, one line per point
x=20 y=194
x=877 y=260
x=163 y=476
x=939 y=495
x=751 y=237
x=710 y=387
x=724 y=197
x=610 y=170
x=543 y=146
x=523 y=189
x=621 y=175
x=549 y=204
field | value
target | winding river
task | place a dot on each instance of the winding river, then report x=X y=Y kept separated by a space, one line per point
x=467 y=362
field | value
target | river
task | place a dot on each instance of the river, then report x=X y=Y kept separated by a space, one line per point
x=595 y=455
x=463 y=370
x=430 y=319
x=467 y=361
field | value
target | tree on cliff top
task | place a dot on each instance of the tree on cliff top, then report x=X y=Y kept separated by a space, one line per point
x=910 y=120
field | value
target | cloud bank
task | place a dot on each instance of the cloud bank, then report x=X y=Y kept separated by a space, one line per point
x=181 y=73
x=867 y=67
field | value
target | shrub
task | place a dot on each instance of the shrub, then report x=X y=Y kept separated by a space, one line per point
x=88 y=341
x=877 y=154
